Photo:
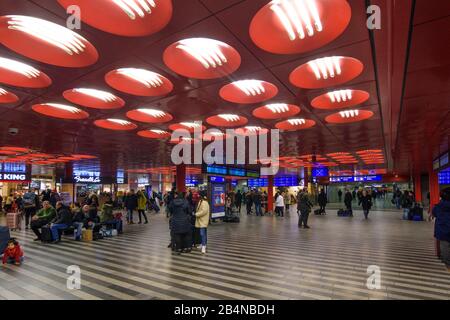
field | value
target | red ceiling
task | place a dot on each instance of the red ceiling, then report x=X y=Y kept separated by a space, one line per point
x=422 y=121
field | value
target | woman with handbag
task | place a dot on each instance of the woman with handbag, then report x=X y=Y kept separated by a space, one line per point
x=202 y=219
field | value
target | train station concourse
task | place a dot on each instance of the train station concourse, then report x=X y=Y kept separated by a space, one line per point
x=224 y=150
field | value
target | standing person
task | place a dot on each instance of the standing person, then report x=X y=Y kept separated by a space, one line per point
x=407 y=203
x=180 y=223
x=131 y=203
x=441 y=212
x=304 y=206
x=1 y=203
x=322 y=200
x=340 y=195
x=348 y=198
x=9 y=202
x=366 y=201
x=238 y=200
x=257 y=199
x=54 y=198
x=249 y=202
x=30 y=204
x=202 y=219
x=141 y=206
x=287 y=201
x=42 y=218
x=354 y=194
x=63 y=220
x=279 y=204
x=397 y=198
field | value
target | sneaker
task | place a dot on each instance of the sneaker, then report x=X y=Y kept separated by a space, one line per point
x=203 y=249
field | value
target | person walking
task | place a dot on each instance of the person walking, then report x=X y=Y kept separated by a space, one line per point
x=340 y=195
x=202 y=219
x=141 y=206
x=180 y=224
x=238 y=200
x=257 y=199
x=441 y=212
x=249 y=202
x=279 y=204
x=304 y=206
x=348 y=198
x=322 y=200
x=131 y=203
x=366 y=202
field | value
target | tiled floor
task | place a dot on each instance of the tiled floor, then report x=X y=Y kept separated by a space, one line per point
x=260 y=258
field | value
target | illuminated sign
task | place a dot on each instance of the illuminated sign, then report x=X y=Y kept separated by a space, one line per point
x=236 y=172
x=13 y=177
x=369 y=178
x=216 y=179
x=253 y=173
x=13 y=172
x=444 y=177
x=320 y=172
x=81 y=176
x=280 y=181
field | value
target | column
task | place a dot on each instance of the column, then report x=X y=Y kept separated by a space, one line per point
x=270 y=193
x=418 y=187
x=181 y=178
x=434 y=188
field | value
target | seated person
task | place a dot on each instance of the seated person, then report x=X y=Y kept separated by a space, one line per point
x=13 y=253
x=90 y=217
x=42 y=218
x=78 y=217
x=63 y=220
x=107 y=216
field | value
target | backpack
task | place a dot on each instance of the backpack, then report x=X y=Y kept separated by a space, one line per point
x=29 y=200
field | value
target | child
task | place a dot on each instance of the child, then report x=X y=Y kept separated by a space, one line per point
x=13 y=253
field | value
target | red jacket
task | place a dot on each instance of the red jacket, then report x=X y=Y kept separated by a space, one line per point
x=16 y=253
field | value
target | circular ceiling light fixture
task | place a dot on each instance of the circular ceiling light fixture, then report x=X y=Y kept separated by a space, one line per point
x=297 y=26
x=46 y=41
x=154 y=134
x=19 y=74
x=16 y=149
x=338 y=154
x=61 y=111
x=326 y=72
x=340 y=99
x=93 y=98
x=349 y=116
x=276 y=111
x=295 y=124
x=130 y=18
x=7 y=153
x=149 y=115
x=369 y=151
x=190 y=126
x=7 y=97
x=83 y=156
x=227 y=120
x=115 y=124
x=251 y=130
x=248 y=91
x=213 y=134
x=202 y=58
x=139 y=82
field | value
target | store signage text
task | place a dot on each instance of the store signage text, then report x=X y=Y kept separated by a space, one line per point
x=91 y=179
x=13 y=177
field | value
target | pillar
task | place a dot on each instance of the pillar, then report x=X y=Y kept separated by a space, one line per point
x=434 y=188
x=270 y=193
x=418 y=187
x=181 y=178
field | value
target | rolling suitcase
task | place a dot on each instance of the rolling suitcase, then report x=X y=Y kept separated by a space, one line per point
x=13 y=220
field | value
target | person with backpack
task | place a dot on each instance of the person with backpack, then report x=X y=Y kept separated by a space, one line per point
x=30 y=204
x=365 y=200
x=441 y=212
x=304 y=206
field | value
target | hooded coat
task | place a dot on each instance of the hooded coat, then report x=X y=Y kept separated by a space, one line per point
x=180 y=221
x=442 y=224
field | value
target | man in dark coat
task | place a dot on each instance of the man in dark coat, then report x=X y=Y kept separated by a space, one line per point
x=180 y=223
x=304 y=206
x=322 y=200
x=63 y=220
x=348 y=198
x=441 y=212
x=131 y=203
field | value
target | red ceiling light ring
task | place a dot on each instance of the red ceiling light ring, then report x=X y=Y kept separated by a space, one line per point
x=46 y=42
x=326 y=72
x=149 y=115
x=19 y=74
x=248 y=91
x=295 y=124
x=369 y=151
x=7 y=153
x=67 y=158
x=39 y=155
x=83 y=156
x=276 y=111
x=297 y=26
x=251 y=131
x=189 y=126
x=340 y=99
x=7 y=97
x=348 y=117
x=120 y=17
x=92 y=98
x=201 y=58
x=115 y=124
x=139 y=82
x=154 y=134
x=227 y=120
x=60 y=111
x=16 y=149
x=338 y=154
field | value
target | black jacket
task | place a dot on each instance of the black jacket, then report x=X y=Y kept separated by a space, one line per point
x=348 y=198
x=322 y=199
x=131 y=202
x=441 y=212
x=180 y=220
x=63 y=216
x=365 y=202
x=78 y=216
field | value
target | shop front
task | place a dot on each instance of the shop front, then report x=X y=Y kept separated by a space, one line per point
x=14 y=178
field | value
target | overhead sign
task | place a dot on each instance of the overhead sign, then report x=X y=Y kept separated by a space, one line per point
x=368 y=178
x=320 y=172
x=229 y=171
x=15 y=172
x=444 y=177
x=92 y=177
